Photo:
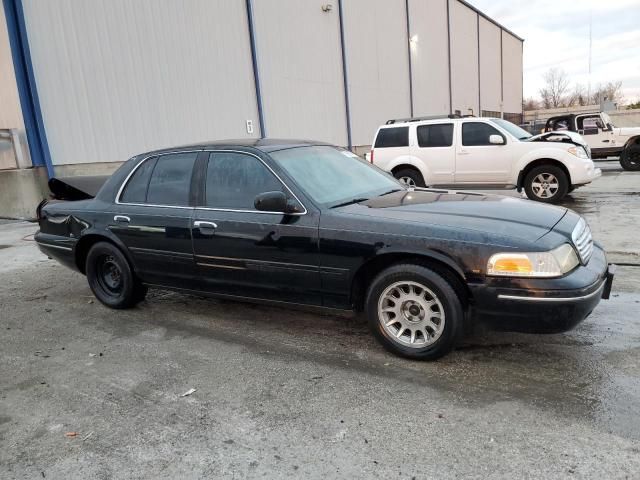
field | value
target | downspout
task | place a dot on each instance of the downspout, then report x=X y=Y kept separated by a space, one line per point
x=26 y=83
x=449 y=57
x=256 y=70
x=345 y=77
x=406 y=3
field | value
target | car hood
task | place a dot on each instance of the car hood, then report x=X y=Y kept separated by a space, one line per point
x=490 y=214
x=565 y=136
x=627 y=131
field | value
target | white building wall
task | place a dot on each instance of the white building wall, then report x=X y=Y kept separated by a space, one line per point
x=429 y=56
x=512 y=73
x=377 y=64
x=10 y=111
x=464 y=57
x=116 y=77
x=490 y=74
x=300 y=65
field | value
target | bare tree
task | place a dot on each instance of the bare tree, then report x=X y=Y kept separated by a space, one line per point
x=610 y=91
x=579 y=96
x=554 y=92
x=530 y=104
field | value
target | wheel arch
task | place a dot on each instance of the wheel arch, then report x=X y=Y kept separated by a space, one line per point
x=632 y=141
x=436 y=261
x=85 y=243
x=524 y=171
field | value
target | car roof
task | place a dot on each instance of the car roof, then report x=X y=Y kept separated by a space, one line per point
x=263 y=144
x=427 y=121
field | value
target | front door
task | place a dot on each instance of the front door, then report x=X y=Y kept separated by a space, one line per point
x=593 y=131
x=243 y=252
x=152 y=217
x=478 y=161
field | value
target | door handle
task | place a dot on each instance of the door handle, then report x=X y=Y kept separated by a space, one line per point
x=121 y=219
x=205 y=227
x=463 y=152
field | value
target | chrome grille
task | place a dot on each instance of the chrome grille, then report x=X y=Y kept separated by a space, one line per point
x=582 y=240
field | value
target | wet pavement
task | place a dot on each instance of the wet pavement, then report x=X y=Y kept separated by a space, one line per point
x=286 y=393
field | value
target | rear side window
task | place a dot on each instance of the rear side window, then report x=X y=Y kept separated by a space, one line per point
x=171 y=179
x=440 y=135
x=234 y=180
x=392 y=137
x=136 y=189
x=477 y=133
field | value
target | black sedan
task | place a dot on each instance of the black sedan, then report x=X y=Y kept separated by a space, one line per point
x=309 y=223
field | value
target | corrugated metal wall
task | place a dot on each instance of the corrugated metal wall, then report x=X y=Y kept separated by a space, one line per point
x=300 y=66
x=118 y=77
x=377 y=63
x=429 y=56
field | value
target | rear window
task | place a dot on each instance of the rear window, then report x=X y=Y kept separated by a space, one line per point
x=392 y=137
x=440 y=135
x=171 y=179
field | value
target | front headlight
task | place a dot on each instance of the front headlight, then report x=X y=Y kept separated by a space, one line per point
x=578 y=152
x=554 y=263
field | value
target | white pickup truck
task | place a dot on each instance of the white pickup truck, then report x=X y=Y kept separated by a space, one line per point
x=471 y=152
x=603 y=137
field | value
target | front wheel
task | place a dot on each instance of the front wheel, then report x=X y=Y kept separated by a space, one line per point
x=414 y=312
x=630 y=158
x=110 y=277
x=546 y=183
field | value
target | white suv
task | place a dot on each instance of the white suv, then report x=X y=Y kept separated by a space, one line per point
x=475 y=152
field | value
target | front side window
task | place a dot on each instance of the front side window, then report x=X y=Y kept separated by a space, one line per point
x=439 y=135
x=392 y=137
x=331 y=176
x=476 y=134
x=171 y=179
x=234 y=180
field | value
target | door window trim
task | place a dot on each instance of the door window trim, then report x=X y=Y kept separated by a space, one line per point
x=197 y=207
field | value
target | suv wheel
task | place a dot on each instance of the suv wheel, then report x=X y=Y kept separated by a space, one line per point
x=414 y=312
x=110 y=277
x=546 y=183
x=410 y=177
x=630 y=158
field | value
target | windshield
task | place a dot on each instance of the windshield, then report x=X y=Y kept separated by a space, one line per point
x=331 y=176
x=514 y=130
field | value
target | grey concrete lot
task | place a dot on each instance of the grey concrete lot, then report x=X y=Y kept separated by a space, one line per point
x=284 y=393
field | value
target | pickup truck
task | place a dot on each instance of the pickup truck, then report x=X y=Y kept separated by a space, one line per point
x=603 y=137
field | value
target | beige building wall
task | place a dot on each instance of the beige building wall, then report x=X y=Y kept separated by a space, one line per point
x=464 y=58
x=512 y=73
x=490 y=66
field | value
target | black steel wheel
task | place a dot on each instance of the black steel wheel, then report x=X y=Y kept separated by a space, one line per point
x=111 y=278
x=630 y=158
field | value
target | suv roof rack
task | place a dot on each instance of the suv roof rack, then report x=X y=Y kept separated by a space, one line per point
x=428 y=117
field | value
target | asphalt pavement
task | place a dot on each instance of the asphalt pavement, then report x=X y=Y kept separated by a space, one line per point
x=88 y=392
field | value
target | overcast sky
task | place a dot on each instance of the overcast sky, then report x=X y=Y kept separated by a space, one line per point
x=556 y=34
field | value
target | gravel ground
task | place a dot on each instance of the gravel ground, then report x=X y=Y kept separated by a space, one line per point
x=286 y=393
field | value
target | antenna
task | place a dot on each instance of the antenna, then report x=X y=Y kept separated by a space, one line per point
x=590 y=39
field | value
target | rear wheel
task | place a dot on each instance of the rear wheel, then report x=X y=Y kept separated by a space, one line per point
x=110 y=277
x=546 y=183
x=410 y=177
x=630 y=158
x=414 y=312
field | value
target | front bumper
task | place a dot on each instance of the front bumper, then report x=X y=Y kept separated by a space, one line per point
x=584 y=175
x=544 y=306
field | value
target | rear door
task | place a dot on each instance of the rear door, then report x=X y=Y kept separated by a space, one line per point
x=243 y=252
x=152 y=217
x=434 y=147
x=478 y=162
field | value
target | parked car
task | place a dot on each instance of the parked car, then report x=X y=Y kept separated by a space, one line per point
x=603 y=137
x=482 y=153
x=309 y=223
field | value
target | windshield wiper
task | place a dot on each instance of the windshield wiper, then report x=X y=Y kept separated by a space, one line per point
x=394 y=190
x=350 y=202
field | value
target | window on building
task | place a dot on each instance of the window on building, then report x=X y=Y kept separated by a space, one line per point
x=392 y=137
x=234 y=180
x=476 y=134
x=439 y=135
x=170 y=182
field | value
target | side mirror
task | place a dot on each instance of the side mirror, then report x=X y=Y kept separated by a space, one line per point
x=275 y=202
x=496 y=140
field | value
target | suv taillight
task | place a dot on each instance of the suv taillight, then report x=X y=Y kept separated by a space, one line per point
x=371 y=156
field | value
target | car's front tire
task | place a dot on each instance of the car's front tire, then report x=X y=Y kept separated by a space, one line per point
x=414 y=312
x=546 y=183
x=111 y=278
x=410 y=177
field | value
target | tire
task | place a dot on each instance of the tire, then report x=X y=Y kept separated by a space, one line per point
x=630 y=158
x=557 y=184
x=571 y=188
x=414 y=286
x=410 y=177
x=111 y=278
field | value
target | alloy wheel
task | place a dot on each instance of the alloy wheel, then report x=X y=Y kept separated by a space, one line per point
x=545 y=185
x=411 y=314
x=408 y=181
